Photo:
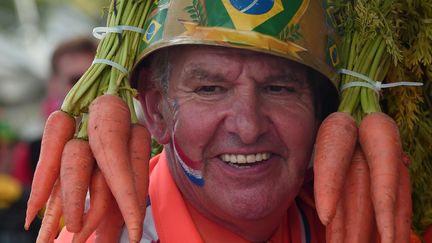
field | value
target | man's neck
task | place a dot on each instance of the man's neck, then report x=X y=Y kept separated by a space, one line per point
x=251 y=231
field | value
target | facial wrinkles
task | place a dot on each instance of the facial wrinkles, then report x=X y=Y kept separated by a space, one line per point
x=230 y=66
x=184 y=93
x=190 y=167
x=174 y=110
x=200 y=73
x=232 y=71
x=268 y=72
x=285 y=76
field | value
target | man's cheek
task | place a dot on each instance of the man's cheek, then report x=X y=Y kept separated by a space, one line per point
x=187 y=139
x=190 y=167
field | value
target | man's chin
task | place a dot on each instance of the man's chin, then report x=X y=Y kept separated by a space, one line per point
x=254 y=209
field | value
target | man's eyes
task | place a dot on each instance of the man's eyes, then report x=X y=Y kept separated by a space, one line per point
x=209 y=89
x=268 y=89
x=279 y=89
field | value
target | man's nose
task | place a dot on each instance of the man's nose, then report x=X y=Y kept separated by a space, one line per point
x=246 y=118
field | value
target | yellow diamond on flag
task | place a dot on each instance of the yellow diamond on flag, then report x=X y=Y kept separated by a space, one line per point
x=248 y=14
x=151 y=31
x=334 y=55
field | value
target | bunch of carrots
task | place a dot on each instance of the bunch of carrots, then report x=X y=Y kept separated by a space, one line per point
x=412 y=107
x=359 y=137
x=107 y=154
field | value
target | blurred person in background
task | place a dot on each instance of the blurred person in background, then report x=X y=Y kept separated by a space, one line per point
x=69 y=61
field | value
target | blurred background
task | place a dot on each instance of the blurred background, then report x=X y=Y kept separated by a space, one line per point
x=30 y=32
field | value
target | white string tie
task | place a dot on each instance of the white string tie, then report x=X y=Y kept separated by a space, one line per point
x=112 y=64
x=101 y=32
x=372 y=84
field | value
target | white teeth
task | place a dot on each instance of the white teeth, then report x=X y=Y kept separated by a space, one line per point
x=245 y=158
x=250 y=158
x=241 y=159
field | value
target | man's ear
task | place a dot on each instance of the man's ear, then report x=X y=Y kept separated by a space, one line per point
x=151 y=100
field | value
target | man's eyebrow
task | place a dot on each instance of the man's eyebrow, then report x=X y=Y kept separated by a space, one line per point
x=203 y=74
x=288 y=76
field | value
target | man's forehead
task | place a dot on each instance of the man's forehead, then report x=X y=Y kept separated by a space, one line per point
x=206 y=55
x=227 y=64
x=196 y=58
x=219 y=50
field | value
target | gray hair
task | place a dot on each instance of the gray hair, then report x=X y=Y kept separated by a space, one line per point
x=160 y=69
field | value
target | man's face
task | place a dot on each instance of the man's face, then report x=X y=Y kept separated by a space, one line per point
x=71 y=66
x=245 y=123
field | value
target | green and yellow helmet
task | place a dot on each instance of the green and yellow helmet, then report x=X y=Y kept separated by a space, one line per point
x=299 y=30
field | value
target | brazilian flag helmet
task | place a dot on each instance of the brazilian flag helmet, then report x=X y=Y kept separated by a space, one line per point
x=299 y=30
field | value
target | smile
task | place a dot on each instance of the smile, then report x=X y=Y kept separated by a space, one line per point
x=244 y=159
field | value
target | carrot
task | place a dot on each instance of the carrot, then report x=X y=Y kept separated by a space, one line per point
x=51 y=219
x=335 y=228
x=100 y=196
x=334 y=147
x=59 y=128
x=379 y=139
x=75 y=172
x=108 y=132
x=139 y=149
x=403 y=207
x=109 y=231
x=359 y=215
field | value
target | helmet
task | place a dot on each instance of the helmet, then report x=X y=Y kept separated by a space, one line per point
x=299 y=30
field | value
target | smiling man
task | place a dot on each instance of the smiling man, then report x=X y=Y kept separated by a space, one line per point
x=236 y=98
x=239 y=130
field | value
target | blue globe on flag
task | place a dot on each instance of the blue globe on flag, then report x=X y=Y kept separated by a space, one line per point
x=254 y=7
x=150 y=31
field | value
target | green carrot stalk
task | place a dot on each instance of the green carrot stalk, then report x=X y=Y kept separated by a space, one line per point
x=82 y=130
x=120 y=48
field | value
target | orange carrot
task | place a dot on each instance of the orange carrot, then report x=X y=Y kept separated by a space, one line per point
x=51 y=219
x=109 y=132
x=100 y=196
x=59 y=128
x=139 y=149
x=109 y=231
x=75 y=172
x=403 y=207
x=379 y=139
x=334 y=147
x=359 y=215
x=335 y=228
